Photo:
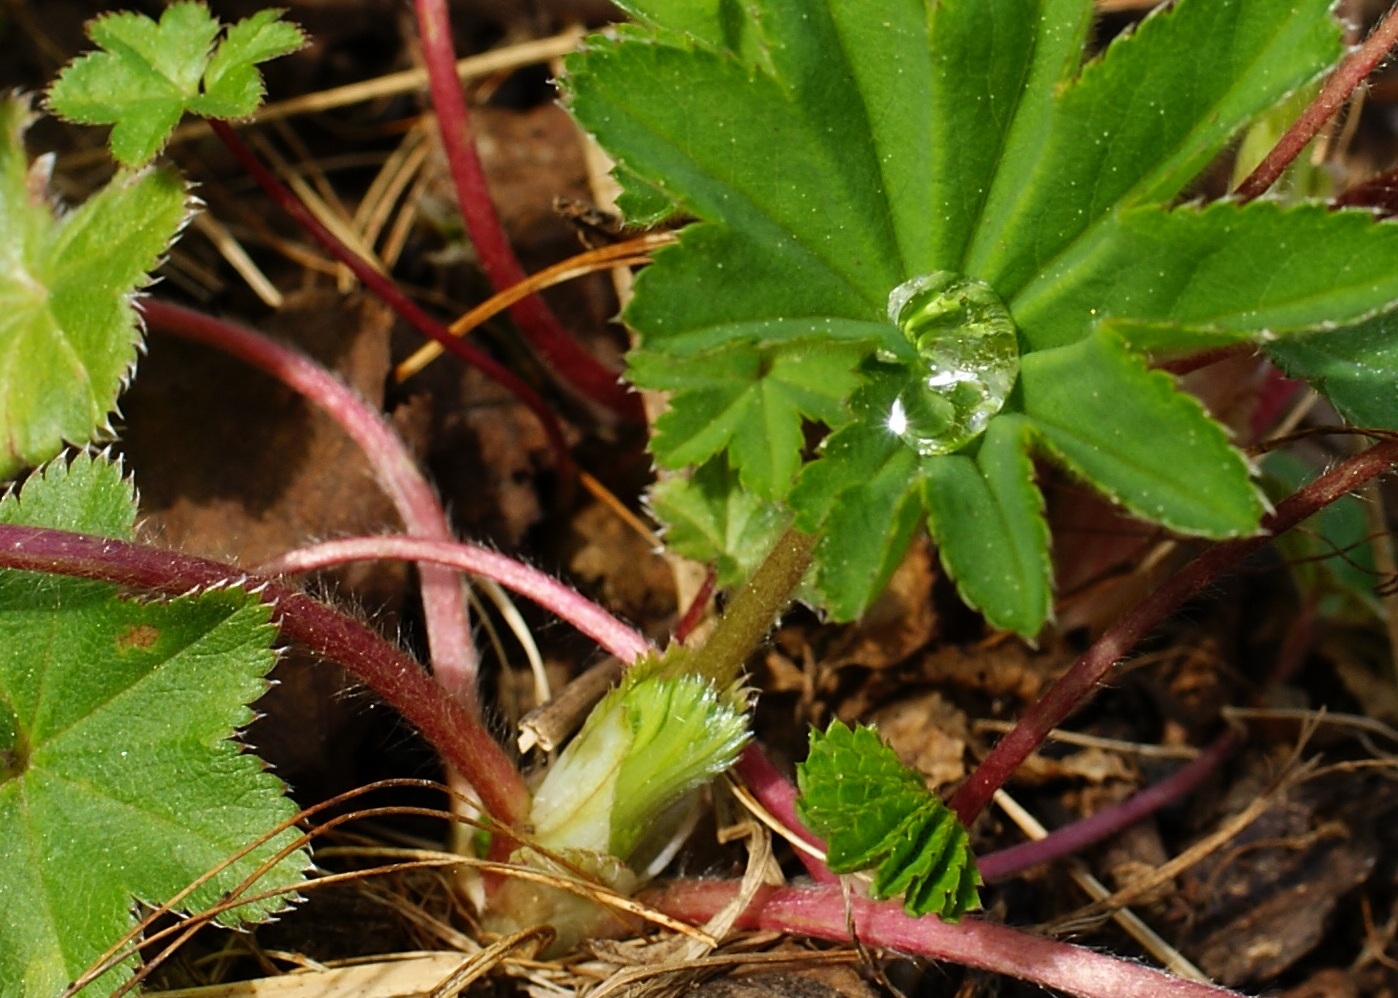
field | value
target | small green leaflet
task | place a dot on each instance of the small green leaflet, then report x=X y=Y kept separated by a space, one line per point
x=874 y=812
x=707 y=512
x=749 y=403
x=830 y=152
x=68 y=331
x=148 y=74
x=118 y=776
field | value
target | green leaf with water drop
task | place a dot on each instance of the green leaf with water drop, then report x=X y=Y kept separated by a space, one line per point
x=831 y=153
x=147 y=74
x=876 y=813
x=68 y=329
x=118 y=714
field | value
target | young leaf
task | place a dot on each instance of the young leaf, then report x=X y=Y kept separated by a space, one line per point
x=118 y=778
x=711 y=519
x=875 y=812
x=68 y=332
x=148 y=74
x=749 y=403
x=650 y=741
x=836 y=155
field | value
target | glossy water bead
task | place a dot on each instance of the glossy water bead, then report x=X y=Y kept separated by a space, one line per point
x=968 y=359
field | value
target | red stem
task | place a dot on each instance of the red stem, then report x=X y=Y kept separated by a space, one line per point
x=401 y=304
x=443 y=601
x=1079 y=835
x=539 y=325
x=624 y=642
x=1092 y=668
x=823 y=912
x=1337 y=90
x=460 y=738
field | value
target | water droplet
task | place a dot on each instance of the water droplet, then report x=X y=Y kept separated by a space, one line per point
x=968 y=359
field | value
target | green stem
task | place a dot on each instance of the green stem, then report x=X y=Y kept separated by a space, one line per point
x=754 y=609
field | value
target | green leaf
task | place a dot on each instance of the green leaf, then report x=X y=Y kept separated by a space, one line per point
x=986 y=515
x=68 y=331
x=861 y=497
x=995 y=70
x=640 y=203
x=712 y=520
x=832 y=152
x=1141 y=122
x=750 y=404
x=1355 y=368
x=875 y=812
x=121 y=782
x=232 y=85
x=84 y=494
x=1236 y=269
x=148 y=74
x=1124 y=428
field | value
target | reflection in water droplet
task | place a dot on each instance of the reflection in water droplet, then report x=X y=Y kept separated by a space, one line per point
x=968 y=359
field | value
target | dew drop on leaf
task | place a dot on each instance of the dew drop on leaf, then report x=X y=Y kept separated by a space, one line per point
x=968 y=359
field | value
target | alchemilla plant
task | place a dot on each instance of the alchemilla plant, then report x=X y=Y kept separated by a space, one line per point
x=936 y=233
x=926 y=244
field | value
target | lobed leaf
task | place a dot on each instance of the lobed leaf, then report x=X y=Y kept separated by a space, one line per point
x=68 y=331
x=120 y=781
x=987 y=517
x=1242 y=270
x=1141 y=122
x=750 y=404
x=832 y=152
x=875 y=812
x=1124 y=428
x=147 y=74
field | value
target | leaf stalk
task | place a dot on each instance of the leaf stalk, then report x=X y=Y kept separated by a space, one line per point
x=535 y=320
x=826 y=912
x=754 y=609
x=444 y=610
